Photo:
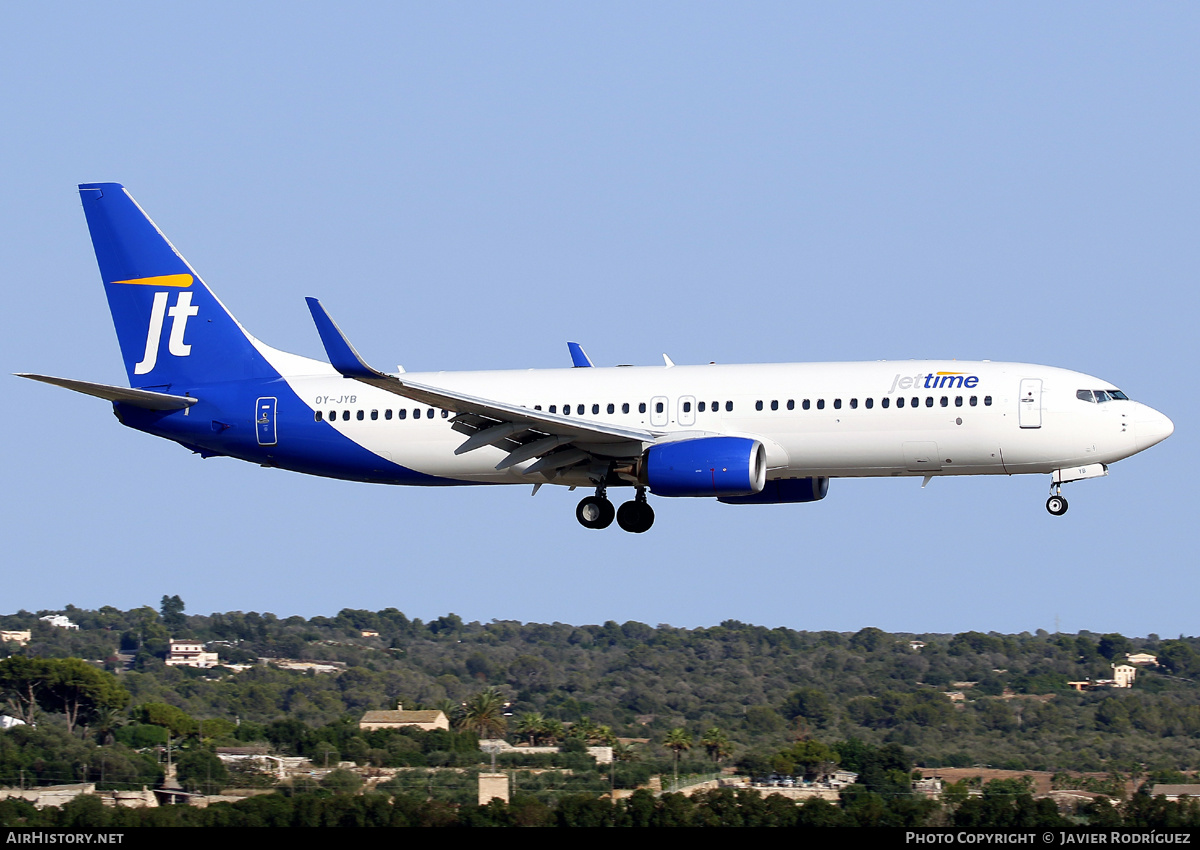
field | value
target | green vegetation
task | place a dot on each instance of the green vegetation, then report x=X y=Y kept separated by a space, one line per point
x=766 y=700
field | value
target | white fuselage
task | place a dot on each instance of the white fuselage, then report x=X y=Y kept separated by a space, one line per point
x=888 y=418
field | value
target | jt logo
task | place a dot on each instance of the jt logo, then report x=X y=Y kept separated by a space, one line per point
x=180 y=313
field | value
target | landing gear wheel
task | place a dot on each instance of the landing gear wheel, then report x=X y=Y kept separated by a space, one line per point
x=595 y=512
x=1057 y=505
x=635 y=516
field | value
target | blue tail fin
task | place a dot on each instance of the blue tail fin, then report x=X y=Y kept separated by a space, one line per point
x=173 y=331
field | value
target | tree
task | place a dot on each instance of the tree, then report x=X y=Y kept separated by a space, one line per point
x=531 y=725
x=716 y=743
x=22 y=681
x=175 y=720
x=67 y=685
x=678 y=740
x=172 y=613
x=80 y=691
x=483 y=714
x=200 y=770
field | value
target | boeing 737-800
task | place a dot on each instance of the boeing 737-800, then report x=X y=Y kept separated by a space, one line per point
x=745 y=435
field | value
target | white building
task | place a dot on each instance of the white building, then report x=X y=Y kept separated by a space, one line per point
x=59 y=620
x=190 y=653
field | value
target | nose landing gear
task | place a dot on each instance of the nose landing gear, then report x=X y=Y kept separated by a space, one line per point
x=1056 y=504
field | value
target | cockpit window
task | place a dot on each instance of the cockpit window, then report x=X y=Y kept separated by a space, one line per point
x=1100 y=396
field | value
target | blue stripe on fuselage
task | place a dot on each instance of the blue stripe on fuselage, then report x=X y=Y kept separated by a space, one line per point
x=222 y=422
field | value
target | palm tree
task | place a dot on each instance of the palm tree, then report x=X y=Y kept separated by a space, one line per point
x=716 y=743
x=483 y=714
x=533 y=725
x=552 y=732
x=678 y=740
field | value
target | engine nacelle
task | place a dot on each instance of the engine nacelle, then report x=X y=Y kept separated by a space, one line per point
x=708 y=466
x=783 y=491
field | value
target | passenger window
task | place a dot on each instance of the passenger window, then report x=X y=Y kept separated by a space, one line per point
x=820 y=404
x=870 y=403
x=758 y=404
x=974 y=400
x=716 y=406
x=402 y=413
x=333 y=416
x=595 y=410
x=885 y=401
x=345 y=415
x=853 y=403
x=658 y=407
x=791 y=404
x=387 y=414
x=929 y=401
x=987 y=401
x=774 y=404
x=914 y=402
x=416 y=413
x=374 y=414
x=806 y=404
x=900 y=402
x=429 y=413
x=641 y=407
x=554 y=408
x=687 y=407
x=625 y=407
x=537 y=407
x=945 y=402
x=837 y=404
x=699 y=407
x=445 y=414
x=317 y=415
x=579 y=409
x=958 y=401
x=729 y=407
x=612 y=408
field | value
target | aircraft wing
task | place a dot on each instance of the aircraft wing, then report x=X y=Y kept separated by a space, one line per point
x=525 y=433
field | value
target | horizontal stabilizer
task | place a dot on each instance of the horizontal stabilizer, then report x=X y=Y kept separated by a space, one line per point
x=138 y=398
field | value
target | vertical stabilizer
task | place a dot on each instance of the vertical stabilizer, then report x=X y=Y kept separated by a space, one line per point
x=172 y=330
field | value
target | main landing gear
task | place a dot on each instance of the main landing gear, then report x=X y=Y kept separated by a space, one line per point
x=597 y=511
x=1056 y=504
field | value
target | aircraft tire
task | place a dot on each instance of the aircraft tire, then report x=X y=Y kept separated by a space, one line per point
x=594 y=512
x=635 y=517
x=1056 y=505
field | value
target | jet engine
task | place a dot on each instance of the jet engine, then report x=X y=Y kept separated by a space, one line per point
x=707 y=466
x=784 y=491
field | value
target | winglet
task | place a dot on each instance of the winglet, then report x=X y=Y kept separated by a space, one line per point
x=579 y=358
x=341 y=353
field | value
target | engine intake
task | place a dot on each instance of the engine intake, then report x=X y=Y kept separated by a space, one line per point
x=708 y=466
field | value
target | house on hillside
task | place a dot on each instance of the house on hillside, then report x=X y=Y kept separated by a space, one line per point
x=399 y=718
x=190 y=653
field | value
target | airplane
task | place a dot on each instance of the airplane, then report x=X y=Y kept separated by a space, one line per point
x=743 y=434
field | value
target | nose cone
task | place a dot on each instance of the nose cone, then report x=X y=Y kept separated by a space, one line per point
x=1151 y=427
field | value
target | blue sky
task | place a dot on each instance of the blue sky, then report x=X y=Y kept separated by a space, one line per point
x=468 y=186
